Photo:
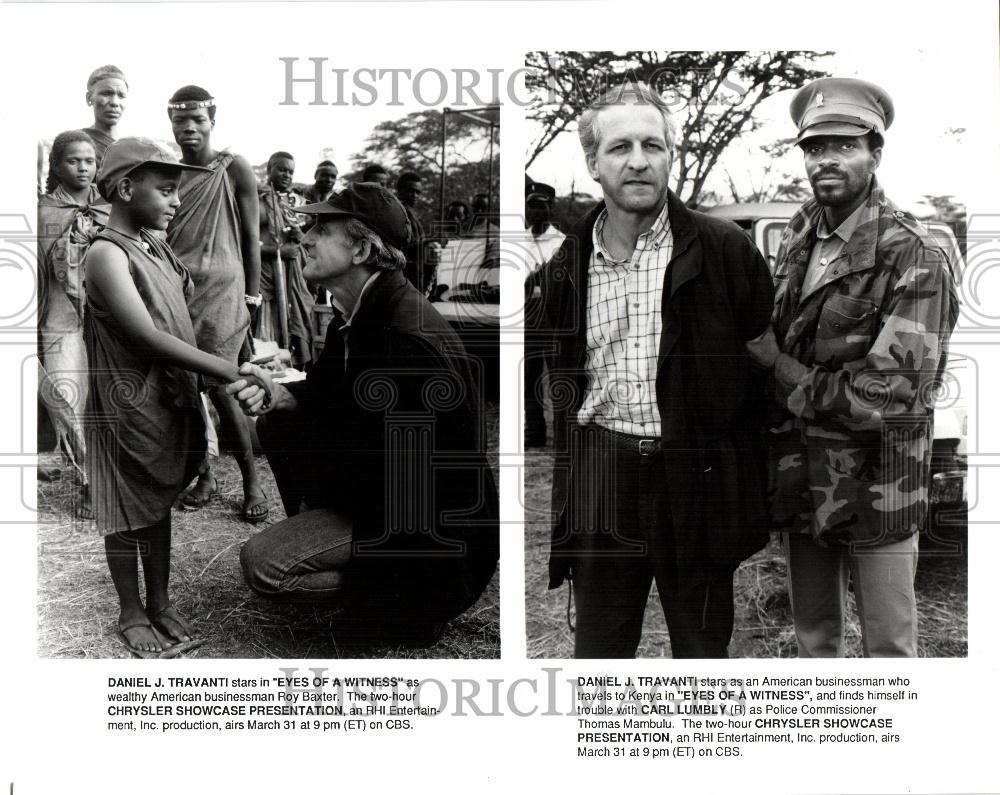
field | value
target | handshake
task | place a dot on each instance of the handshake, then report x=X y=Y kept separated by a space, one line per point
x=254 y=391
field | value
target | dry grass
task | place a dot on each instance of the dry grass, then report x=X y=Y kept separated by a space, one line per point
x=763 y=613
x=78 y=609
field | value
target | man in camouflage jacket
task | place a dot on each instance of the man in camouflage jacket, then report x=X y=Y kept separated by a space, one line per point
x=860 y=339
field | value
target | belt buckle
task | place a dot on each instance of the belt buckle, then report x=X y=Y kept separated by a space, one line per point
x=647 y=446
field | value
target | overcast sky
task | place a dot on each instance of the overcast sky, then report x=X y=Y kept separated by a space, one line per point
x=248 y=119
x=933 y=91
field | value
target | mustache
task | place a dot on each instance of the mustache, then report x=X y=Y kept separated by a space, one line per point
x=831 y=172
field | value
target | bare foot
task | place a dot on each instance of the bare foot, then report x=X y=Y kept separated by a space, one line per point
x=171 y=623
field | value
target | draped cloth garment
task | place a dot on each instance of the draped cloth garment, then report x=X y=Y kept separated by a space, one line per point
x=145 y=432
x=205 y=236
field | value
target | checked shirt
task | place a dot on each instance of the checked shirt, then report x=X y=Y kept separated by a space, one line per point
x=623 y=331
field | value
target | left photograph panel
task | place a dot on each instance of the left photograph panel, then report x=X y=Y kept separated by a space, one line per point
x=268 y=386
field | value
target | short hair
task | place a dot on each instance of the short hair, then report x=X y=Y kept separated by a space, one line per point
x=326 y=164
x=455 y=204
x=630 y=92
x=103 y=73
x=278 y=156
x=372 y=170
x=408 y=178
x=383 y=256
x=61 y=143
x=194 y=94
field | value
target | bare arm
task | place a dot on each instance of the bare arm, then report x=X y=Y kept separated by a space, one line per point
x=108 y=281
x=267 y=246
x=246 y=200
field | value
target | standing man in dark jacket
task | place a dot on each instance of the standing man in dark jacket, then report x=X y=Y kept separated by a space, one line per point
x=657 y=469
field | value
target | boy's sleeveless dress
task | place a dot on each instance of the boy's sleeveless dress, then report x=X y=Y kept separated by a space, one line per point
x=145 y=432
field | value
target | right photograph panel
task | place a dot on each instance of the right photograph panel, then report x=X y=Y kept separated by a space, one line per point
x=745 y=423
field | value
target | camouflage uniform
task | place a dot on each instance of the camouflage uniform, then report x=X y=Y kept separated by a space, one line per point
x=851 y=439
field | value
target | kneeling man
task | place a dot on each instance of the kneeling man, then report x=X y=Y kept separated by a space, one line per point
x=380 y=454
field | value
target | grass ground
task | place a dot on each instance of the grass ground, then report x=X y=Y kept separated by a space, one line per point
x=763 y=614
x=78 y=609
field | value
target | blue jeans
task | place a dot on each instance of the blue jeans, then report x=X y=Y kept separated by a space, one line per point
x=301 y=559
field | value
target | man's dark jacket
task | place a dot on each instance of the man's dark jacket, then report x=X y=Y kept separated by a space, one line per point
x=718 y=294
x=401 y=429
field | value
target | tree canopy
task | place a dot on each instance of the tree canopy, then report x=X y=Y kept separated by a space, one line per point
x=413 y=143
x=714 y=96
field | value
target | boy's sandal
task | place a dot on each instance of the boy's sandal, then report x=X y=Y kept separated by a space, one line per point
x=255 y=517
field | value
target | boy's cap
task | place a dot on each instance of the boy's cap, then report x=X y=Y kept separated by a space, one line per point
x=368 y=202
x=125 y=156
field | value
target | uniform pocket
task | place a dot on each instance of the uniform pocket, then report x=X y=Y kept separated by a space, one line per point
x=844 y=333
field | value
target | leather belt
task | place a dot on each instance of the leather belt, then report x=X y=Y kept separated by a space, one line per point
x=644 y=446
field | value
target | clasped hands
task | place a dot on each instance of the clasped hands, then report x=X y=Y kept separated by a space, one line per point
x=254 y=391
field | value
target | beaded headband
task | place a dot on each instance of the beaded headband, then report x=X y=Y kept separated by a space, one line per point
x=191 y=104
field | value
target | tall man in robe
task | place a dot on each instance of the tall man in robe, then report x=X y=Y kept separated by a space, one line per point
x=214 y=233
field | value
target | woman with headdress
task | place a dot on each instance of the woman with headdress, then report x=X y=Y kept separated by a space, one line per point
x=70 y=214
x=106 y=94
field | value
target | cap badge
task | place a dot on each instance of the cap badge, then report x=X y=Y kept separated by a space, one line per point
x=819 y=99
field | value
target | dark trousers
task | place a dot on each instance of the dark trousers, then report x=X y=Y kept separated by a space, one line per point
x=621 y=506
x=534 y=409
x=300 y=470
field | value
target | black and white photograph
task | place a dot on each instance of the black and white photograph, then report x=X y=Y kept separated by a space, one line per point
x=350 y=445
x=750 y=404
x=268 y=386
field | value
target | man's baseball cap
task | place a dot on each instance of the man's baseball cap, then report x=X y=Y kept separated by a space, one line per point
x=125 y=156
x=368 y=202
x=841 y=106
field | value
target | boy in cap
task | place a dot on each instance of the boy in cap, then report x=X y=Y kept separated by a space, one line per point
x=143 y=406
x=380 y=455
x=865 y=303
